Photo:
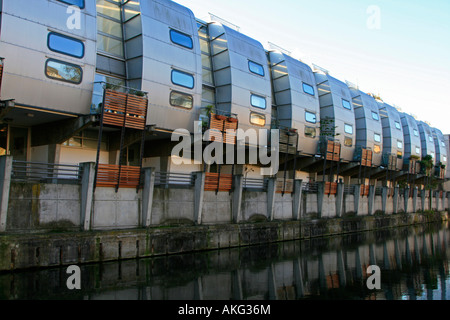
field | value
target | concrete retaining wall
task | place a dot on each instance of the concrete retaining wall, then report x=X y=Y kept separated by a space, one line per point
x=19 y=251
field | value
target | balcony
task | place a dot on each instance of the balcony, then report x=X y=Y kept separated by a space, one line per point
x=218 y=182
x=330 y=148
x=222 y=127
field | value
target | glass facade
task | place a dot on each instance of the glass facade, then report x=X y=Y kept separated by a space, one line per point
x=109 y=28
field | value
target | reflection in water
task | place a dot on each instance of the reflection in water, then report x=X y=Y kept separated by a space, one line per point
x=413 y=262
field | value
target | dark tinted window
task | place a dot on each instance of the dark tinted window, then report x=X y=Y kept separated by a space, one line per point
x=256 y=68
x=181 y=39
x=308 y=89
x=65 y=45
x=79 y=3
x=63 y=71
x=183 y=79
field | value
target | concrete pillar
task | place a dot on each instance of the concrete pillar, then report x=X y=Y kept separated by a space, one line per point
x=339 y=199
x=320 y=197
x=199 y=191
x=5 y=184
x=238 y=187
x=371 y=200
x=436 y=195
x=384 y=192
x=87 y=193
x=395 y=199
x=415 y=200
x=406 y=198
x=297 y=200
x=422 y=199
x=271 y=190
x=357 y=196
x=147 y=196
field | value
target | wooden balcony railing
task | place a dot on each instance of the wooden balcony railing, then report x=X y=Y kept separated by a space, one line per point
x=364 y=190
x=214 y=182
x=223 y=128
x=124 y=110
x=109 y=175
x=330 y=188
x=332 y=150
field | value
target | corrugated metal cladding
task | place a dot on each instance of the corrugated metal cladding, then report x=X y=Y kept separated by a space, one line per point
x=241 y=74
x=171 y=66
x=336 y=104
x=368 y=124
x=53 y=79
x=296 y=99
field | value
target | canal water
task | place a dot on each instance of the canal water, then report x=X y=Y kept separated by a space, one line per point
x=413 y=265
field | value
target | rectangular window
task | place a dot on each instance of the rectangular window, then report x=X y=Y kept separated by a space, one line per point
x=310 y=117
x=399 y=154
x=376 y=149
x=181 y=39
x=178 y=99
x=310 y=132
x=377 y=137
x=346 y=104
x=432 y=155
x=399 y=144
x=417 y=150
x=256 y=68
x=430 y=138
x=444 y=158
x=257 y=119
x=416 y=133
x=348 y=142
x=348 y=129
x=443 y=144
x=375 y=116
x=63 y=71
x=397 y=125
x=78 y=3
x=183 y=79
x=258 y=101
x=65 y=45
x=308 y=89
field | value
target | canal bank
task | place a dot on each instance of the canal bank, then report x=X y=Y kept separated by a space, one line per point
x=38 y=250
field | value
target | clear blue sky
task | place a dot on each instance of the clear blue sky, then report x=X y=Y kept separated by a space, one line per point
x=406 y=60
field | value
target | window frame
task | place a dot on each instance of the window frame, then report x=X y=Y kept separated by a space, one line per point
x=252 y=95
x=259 y=67
x=173 y=31
x=377 y=135
x=311 y=113
x=67 y=63
x=69 y=2
x=309 y=86
x=397 y=125
x=258 y=114
x=415 y=132
x=69 y=38
x=343 y=104
x=375 y=114
x=346 y=125
x=399 y=144
x=182 y=73
x=312 y=129
x=183 y=94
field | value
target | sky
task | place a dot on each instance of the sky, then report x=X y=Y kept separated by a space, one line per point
x=398 y=49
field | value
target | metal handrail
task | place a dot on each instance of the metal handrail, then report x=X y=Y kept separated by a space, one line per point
x=28 y=171
x=174 y=179
x=255 y=184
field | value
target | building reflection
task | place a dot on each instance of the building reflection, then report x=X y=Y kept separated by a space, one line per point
x=413 y=263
